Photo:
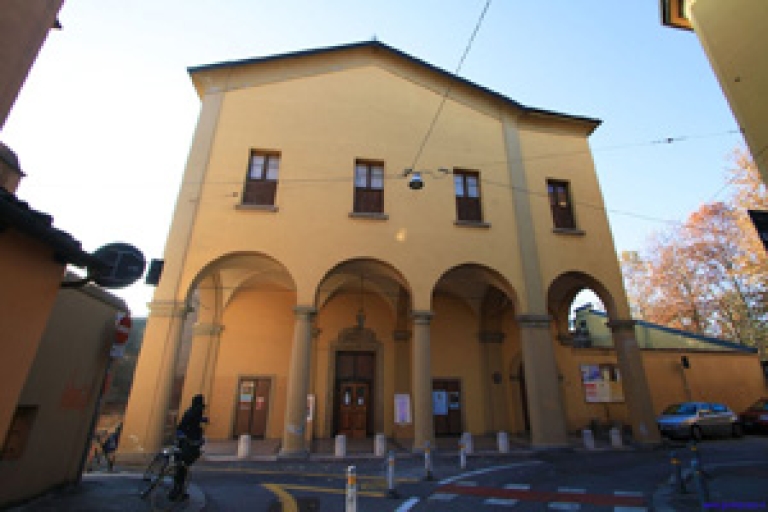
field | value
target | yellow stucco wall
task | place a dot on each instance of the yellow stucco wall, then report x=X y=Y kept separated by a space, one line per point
x=63 y=383
x=30 y=280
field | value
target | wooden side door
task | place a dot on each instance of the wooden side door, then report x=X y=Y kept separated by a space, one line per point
x=252 y=407
x=446 y=406
x=353 y=409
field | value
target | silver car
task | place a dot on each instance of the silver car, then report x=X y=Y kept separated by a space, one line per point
x=698 y=419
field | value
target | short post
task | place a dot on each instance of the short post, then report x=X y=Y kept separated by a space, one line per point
x=589 y=439
x=615 y=435
x=351 y=501
x=244 y=446
x=700 y=481
x=466 y=438
x=502 y=440
x=340 y=449
x=428 y=461
x=696 y=454
x=677 y=473
x=380 y=445
x=462 y=455
x=391 y=492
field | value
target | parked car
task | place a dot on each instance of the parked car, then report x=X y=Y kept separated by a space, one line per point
x=756 y=416
x=695 y=420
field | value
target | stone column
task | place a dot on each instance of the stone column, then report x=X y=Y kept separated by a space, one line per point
x=542 y=384
x=633 y=380
x=202 y=362
x=147 y=410
x=423 y=421
x=294 y=444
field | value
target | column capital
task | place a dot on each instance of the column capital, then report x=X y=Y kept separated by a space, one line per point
x=170 y=308
x=309 y=311
x=534 y=321
x=207 y=329
x=491 y=336
x=401 y=335
x=622 y=325
x=422 y=317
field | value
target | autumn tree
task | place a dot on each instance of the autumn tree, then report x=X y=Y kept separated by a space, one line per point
x=710 y=274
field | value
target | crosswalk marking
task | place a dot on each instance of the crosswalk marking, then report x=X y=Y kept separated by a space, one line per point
x=564 y=506
x=571 y=490
x=630 y=509
x=441 y=496
x=628 y=493
x=518 y=487
x=466 y=483
x=501 y=502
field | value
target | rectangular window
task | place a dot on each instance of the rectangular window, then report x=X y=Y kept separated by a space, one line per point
x=261 y=181
x=467 y=187
x=560 y=202
x=369 y=187
x=18 y=435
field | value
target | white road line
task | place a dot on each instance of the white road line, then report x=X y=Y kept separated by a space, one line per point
x=465 y=483
x=501 y=502
x=518 y=487
x=452 y=479
x=632 y=494
x=441 y=496
x=630 y=509
x=571 y=490
x=407 y=505
x=564 y=506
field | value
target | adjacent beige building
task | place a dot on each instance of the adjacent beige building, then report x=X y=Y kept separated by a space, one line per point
x=733 y=35
x=330 y=297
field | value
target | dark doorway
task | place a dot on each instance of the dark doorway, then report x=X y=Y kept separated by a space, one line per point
x=353 y=397
x=252 y=407
x=446 y=406
x=524 y=400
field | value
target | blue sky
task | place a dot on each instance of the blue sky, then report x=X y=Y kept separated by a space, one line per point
x=105 y=120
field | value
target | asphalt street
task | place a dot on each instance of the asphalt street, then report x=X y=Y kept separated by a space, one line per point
x=612 y=480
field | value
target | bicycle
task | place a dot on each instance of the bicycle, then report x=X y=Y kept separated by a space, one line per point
x=159 y=475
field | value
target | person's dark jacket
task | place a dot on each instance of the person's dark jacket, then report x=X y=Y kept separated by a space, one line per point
x=191 y=423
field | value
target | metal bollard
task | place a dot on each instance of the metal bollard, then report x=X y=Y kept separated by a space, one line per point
x=244 y=446
x=502 y=440
x=589 y=439
x=462 y=456
x=428 y=461
x=677 y=473
x=696 y=453
x=351 y=502
x=615 y=435
x=700 y=481
x=340 y=448
x=391 y=492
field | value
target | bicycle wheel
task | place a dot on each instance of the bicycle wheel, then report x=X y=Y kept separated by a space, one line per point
x=156 y=466
x=158 y=495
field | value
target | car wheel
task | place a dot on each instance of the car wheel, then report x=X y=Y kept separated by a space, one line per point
x=696 y=433
x=737 y=430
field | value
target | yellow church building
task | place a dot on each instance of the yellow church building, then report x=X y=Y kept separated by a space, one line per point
x=366 y=244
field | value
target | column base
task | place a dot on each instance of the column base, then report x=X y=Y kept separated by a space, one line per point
x=285 y=454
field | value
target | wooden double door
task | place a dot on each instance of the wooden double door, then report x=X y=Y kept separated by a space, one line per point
x=446 y=406
x=354 y=392
x=252 y=407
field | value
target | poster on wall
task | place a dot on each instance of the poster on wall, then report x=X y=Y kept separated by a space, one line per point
x=602 y=383
x=310 y=407
x=402 y=409
x=440 y=402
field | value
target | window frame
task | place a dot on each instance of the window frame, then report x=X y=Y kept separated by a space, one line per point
x=261 y=191
x=368 y=200
x=563 y=216
x=469 y=209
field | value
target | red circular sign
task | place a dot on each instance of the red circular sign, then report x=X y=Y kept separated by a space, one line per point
x=122 y=328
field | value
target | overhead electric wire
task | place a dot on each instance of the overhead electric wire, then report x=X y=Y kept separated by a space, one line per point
x=448 y=88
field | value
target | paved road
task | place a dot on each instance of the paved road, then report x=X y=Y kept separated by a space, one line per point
x=588 y=481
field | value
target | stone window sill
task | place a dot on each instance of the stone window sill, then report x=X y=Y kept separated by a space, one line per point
x=257 y=207
x=472 y=224
x=569 y=231
x=368 y=216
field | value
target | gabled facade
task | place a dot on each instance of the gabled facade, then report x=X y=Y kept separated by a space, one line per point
x=317 y=276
